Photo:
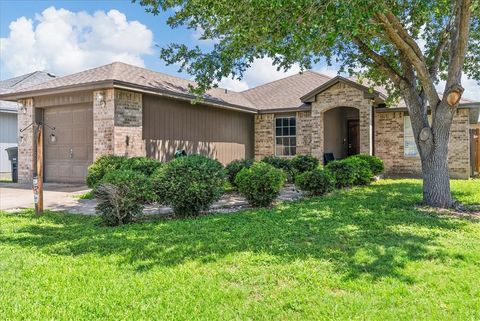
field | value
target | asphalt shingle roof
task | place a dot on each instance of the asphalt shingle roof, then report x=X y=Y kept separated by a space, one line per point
x=134 y=75
x=285 y=92
x=19 y=83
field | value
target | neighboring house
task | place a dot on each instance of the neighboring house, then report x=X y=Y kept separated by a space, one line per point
x=126 y=110
x=8 y=115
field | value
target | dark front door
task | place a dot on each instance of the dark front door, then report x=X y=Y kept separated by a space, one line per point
x=353 y=138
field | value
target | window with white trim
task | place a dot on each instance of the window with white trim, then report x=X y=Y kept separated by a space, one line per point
x=285 y=136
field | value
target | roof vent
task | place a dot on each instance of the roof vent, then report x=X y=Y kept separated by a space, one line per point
x=226 y=91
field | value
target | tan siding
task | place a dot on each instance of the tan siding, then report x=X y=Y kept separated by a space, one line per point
x=65 y=99
x=221 y=134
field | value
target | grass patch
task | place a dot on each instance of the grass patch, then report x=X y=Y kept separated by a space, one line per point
x=85 y=196
x=365 y=253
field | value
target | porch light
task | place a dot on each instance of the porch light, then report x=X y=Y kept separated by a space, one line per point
x=53 y=138
x=100 y=98
x=21 y=140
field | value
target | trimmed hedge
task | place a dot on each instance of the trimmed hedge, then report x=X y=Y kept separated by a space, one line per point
x=283 y=164
x=144 y=165
x=235 y=167
x=315 y=182
x=304 y=163
x=139 y=184
x=376 y=164
x=101 y=166
x=189 y=184
x=342 y=172
x=350 y=171
x=108 y=163
x=361 y=170
x=260 y=184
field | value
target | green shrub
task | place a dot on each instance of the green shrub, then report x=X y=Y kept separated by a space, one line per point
x=361 y=170
x=235 y=167
x=140 y=187
x=144 y=165
x=304 y=163
x=117 y=204
x=190 y=184
x=375 y=163
x=283 y=164
x=160 y=184
x=342 y=172
x=315 y=182
x=101 y=166
x=260 y=184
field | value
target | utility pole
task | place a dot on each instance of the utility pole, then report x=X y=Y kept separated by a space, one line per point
x=38 y=178
x=39 y=201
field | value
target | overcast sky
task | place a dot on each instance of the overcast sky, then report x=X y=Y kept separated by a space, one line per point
x=64 y=37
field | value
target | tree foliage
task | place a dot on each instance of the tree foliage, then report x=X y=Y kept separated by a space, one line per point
x=305 y=31
x=407 y=46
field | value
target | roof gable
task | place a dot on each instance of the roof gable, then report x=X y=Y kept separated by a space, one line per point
x=286 y=92
x=310 y=96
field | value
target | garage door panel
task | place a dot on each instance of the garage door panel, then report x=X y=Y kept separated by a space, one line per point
x=79 y=170
x=79 y=135
x=64 y=135
x=67 y=159
x=80 y=153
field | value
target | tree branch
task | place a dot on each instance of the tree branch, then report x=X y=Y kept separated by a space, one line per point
x=380 y=61
x=393 y=32
x=458 y=47
x=437 y=58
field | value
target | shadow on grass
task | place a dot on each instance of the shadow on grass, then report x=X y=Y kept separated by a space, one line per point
x=371 y=231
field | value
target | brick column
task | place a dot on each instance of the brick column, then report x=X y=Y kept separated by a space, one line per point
x=317 y=131
x=26 y=147
x=264 y=135
x=128 y=132
x=366 y=128
x=103 y=122
x=304 y=132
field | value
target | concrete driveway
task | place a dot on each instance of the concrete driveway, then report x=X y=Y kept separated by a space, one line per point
x=56 y=197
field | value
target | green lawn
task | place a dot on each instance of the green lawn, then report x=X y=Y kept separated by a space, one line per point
x=363 y=254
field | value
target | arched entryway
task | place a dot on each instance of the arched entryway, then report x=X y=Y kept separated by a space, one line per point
x=341 y=130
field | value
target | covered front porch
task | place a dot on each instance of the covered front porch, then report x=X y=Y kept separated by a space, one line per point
x=341 y=132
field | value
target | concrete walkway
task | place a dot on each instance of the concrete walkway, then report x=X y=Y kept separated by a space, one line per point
x=57 y=197
x=60 y=197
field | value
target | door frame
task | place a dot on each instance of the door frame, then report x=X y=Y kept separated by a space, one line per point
x=349 y=122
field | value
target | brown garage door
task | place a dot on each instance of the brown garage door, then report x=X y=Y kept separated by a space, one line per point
x=67 y=159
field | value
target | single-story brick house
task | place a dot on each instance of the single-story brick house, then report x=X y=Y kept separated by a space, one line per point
x=8 y=115
x=126 y=110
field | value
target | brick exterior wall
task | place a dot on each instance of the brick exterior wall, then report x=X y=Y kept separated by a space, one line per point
x=128 y=131
x=310 y=131
x=26 y=148
x=389 y=145
x=264 y=135
x=304 y=132
x=341 y=95
x=103 y=122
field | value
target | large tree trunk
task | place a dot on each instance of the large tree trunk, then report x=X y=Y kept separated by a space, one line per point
x=432 y=138
x=436 y=177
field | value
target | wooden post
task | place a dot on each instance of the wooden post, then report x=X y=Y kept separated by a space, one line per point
x=39 y=204
x=478 y=149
